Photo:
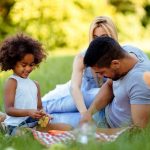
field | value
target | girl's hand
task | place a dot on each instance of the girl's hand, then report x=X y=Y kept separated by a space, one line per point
x=34 y=113
x=43 y=113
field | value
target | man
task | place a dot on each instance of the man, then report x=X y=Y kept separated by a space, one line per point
x=125 y=98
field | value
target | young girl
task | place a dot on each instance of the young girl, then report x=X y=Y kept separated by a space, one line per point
x=23 y=106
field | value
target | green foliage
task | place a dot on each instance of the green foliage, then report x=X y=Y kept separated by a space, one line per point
x=52 y=23
x=5 y=21
x=125 y=26
x=65 y=23
x=145 y=19
x=124 y=6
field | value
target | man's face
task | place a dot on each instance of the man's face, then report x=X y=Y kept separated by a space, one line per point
x=112 y=73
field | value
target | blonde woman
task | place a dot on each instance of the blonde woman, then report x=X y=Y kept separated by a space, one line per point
x=68 y=102
x=101 y=26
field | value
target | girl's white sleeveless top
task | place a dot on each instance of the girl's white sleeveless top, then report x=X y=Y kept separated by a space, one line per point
x=25 y=98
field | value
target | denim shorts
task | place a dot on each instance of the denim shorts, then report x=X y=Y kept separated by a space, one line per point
x=100 y=119
x=29 y=123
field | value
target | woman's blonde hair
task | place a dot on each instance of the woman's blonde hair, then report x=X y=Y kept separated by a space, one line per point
x=107 y=24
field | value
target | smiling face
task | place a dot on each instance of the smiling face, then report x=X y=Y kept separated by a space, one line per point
x=99 y=31
x=25 y=66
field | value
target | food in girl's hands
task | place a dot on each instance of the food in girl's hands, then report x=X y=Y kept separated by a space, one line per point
x=43 y=122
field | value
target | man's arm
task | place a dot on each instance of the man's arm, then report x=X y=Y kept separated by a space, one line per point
x=103 y=98
x=140 y=114
x=139 y=99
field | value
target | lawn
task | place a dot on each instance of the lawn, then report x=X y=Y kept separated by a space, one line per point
x=57 y=70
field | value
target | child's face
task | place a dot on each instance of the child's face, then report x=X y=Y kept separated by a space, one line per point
x=25 y=66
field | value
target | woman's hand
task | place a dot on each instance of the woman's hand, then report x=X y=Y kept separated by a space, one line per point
x=86 y=117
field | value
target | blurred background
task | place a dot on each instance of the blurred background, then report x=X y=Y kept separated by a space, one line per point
x=64 y=24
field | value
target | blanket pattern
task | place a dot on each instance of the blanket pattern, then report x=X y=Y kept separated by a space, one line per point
x=48 y=139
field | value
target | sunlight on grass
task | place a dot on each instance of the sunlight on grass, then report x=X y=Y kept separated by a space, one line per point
x=64 y=52
x=55 y=70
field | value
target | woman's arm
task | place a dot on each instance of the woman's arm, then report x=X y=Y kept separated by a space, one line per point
x=76 y=81
x=9 y=99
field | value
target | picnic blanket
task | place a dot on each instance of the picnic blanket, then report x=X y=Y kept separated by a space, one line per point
x=56 y=136
x=48 y=139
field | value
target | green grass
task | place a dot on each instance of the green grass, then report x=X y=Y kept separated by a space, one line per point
x=57 y=70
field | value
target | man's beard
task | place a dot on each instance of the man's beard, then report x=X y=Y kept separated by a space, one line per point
x=117 y=76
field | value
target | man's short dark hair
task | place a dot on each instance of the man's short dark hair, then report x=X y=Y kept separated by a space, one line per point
x=102 y=51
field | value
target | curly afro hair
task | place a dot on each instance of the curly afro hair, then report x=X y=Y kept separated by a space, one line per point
x=14 y=48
